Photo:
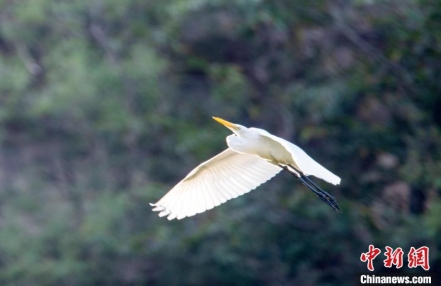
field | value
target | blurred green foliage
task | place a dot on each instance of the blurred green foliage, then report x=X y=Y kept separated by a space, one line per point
x=105 y=105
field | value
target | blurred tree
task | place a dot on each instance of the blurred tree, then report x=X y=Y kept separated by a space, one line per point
x=104 y=105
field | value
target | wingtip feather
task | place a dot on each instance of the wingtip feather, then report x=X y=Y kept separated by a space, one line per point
x=164 y=213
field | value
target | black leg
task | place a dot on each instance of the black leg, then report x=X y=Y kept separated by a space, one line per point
x=323 y=195
x=317 y=187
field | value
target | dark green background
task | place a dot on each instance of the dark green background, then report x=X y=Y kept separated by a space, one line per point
x=105 y=105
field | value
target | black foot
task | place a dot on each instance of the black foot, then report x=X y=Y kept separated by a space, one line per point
x=323 y=195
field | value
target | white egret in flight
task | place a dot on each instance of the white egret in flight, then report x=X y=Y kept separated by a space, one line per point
x=254 y=156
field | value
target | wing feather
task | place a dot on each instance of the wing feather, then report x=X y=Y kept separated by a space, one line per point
x=223 y=177
x=227 y=187
x=209 y=196
x=218 y=197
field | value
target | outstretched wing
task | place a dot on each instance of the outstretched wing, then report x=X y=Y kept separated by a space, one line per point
x=306 y=164
x=223 y=177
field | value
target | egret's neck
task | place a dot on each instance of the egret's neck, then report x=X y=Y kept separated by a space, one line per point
x=242 y=143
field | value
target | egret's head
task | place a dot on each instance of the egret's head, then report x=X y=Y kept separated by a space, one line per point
x=236 y=128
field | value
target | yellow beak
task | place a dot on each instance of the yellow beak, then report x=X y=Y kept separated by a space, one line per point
x=226 y=123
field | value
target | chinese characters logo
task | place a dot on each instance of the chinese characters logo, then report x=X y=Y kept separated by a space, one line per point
x=415 y=257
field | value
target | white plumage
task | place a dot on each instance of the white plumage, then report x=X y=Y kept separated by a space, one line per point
x=223 y=177
x=305 y=163
x=254 y=157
